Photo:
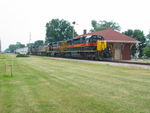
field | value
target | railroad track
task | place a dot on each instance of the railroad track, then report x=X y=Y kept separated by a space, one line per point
x=127 y=62
x=113 y=61
x=110 y=62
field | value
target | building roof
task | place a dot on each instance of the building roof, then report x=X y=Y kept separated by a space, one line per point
x=112 y=36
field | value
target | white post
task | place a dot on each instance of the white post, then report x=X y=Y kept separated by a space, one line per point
x=137 y=51
x=0 y=46
x=29 y=37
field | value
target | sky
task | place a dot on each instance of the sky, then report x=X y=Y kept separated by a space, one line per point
x=20 y=17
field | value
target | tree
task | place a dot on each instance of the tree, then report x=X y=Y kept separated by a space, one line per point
x=39 y=43
x=138 y=35
x=30 y=44
x=13 y=47
x=7 y=50
x=148 y=39
x=58 y=30
x=129 y=32
x=19 y=45
x=146 y=51
x=102 y=25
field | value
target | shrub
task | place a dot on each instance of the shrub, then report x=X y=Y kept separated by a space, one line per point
x=22 y=55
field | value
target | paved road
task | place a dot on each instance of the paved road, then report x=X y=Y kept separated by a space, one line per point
x=110 y=63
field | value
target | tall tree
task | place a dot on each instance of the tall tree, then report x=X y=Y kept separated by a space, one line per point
x=146 y=51
x=102 y=25
x=58 y=30
x=148 y=39
x=138 y=35
x=39 y=43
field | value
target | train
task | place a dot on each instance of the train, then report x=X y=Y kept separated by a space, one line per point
x=87 y=47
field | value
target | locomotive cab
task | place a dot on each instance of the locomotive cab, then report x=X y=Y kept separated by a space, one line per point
x=99 y=40
x=95 y=38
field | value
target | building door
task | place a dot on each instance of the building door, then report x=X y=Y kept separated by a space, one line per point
x=117 y=52
x=126 y=52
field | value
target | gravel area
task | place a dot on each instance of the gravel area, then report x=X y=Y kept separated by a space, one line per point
x=109 y=63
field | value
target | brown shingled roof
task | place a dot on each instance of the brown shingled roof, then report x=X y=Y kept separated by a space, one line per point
x=112 y=36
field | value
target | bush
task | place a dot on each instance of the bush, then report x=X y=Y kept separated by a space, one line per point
x=22 y=55
x=147 y=51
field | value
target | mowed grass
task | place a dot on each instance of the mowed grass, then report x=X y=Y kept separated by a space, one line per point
x=47 y=85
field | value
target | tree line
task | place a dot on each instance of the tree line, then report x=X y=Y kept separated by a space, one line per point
x=60 y=29
x=13 y=47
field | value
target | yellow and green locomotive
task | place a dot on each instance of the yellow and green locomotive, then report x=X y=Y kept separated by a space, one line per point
x=88 y=47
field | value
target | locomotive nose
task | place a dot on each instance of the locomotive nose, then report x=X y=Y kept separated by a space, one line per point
x=101 y=45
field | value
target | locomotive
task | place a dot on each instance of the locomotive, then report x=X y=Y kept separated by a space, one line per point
x=87 y=47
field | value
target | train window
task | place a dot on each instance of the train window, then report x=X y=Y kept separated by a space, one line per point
x=87 y=37
x=49 y=44
x=76 y=41
x=55 y=44
x=100 y=37
x=94 y=38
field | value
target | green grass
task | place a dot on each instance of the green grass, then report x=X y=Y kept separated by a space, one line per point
x=46 y=85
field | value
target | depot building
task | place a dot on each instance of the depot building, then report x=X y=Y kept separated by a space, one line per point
x=119 y=44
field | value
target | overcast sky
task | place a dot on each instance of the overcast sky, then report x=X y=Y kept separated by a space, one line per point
x=20 y=17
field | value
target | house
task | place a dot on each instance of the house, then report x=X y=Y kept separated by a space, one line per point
x=119 y=44
x=22 y=50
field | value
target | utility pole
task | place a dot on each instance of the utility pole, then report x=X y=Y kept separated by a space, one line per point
x=29 y=50
x=73 y=28
x=0 y=46
x=29 y=37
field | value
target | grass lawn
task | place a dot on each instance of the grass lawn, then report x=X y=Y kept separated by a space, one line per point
x=46 y=85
